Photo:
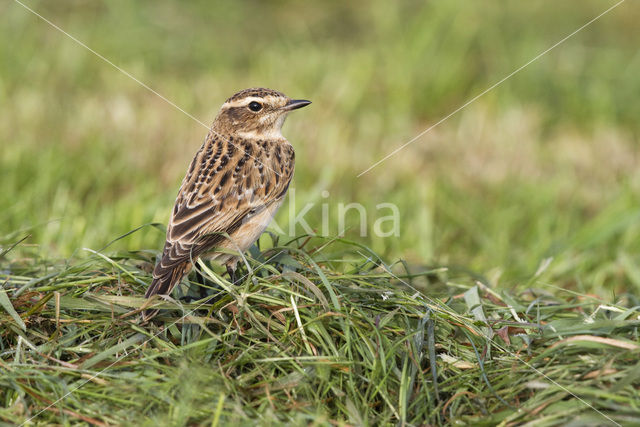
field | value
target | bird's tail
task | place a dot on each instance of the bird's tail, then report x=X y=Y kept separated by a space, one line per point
x=164 y=280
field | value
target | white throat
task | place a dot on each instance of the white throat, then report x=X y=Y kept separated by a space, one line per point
x=273 y=132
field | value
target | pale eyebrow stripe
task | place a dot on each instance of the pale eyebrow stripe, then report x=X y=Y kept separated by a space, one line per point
x=244 y=101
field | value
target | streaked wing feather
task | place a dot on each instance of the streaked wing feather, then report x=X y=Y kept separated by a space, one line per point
x=223 y=186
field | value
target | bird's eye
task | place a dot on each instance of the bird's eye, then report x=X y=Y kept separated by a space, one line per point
x=255 y=106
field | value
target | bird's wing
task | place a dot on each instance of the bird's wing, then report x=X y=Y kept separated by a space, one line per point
x=227 y=183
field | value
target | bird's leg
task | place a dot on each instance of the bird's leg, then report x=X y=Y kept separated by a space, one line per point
x=201 y=280
x=199 y=277
x=232 y=274
x=203 y=291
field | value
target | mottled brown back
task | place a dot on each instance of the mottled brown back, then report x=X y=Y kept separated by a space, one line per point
x=228 y=181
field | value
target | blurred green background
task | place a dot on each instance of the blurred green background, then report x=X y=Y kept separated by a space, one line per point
x=545 y=165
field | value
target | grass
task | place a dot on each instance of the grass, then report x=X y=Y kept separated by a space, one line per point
x=322 y=333
x=519 y=224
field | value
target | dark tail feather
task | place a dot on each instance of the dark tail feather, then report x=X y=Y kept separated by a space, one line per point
x=164 y=280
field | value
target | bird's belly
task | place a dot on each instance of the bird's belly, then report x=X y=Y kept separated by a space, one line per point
x=247 y=233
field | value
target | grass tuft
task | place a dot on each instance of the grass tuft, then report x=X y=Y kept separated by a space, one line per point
x=318 y=331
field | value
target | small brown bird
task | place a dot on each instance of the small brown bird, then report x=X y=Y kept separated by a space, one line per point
x=235 y=184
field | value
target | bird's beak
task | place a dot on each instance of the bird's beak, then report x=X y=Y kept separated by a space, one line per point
x=294 y=104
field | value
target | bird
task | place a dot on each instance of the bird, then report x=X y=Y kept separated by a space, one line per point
x=233 y=187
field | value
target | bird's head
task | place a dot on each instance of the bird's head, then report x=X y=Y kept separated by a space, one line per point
x=256 y=113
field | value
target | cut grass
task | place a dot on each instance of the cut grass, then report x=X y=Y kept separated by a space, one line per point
x=319 y=331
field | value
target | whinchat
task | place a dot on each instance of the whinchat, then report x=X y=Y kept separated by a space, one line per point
x=235 y=184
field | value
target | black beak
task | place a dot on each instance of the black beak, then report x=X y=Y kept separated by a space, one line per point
x=294 y=104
